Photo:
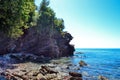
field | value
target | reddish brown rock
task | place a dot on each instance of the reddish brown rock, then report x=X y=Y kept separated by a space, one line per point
x=75 y=74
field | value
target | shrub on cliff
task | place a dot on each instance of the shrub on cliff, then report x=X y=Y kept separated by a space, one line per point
x=16 y=15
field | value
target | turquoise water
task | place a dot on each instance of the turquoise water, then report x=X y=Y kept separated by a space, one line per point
x=105 y=62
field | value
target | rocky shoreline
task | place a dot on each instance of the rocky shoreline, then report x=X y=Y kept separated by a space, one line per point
x=45 y=72
x=58 y=69
x=32 y=67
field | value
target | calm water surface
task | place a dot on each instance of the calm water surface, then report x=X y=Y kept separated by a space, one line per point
x=104 y=62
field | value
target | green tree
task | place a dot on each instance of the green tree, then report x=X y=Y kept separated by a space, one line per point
x=48 y=20
x=46 y=14
x=59 y=24
x=16 y=15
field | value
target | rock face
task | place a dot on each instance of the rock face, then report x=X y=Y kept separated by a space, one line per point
x=41 y=44
x=4 y=44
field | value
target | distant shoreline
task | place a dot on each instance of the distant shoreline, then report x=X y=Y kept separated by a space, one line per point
x=97 y=48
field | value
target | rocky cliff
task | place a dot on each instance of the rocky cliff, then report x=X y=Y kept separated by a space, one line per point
x=41 y=44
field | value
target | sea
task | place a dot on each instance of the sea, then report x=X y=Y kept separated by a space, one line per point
x=100 y=62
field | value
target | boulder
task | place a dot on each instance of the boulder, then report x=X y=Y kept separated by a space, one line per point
x=75 y=74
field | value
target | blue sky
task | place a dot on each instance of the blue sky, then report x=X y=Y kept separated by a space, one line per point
x=93 y=23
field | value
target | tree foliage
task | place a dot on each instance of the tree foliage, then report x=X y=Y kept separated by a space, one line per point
x=47 y=17
x=46 y=14
x=59 y=24
x=16 y=15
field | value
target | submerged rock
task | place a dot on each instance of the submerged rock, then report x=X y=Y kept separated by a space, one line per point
x=79 y=53
x=102 y=77
x=82 y=63
x=2 y=78
x=84 y=73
